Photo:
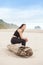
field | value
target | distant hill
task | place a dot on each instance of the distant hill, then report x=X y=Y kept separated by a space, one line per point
x=4 y=25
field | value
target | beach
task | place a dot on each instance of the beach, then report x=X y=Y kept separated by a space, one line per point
x=35 y=42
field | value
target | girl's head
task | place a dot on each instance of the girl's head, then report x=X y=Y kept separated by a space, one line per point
x=23 y=26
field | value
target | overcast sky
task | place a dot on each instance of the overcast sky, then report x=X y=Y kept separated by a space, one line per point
x=22 y=11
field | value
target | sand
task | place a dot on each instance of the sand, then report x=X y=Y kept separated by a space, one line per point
x=35 y=42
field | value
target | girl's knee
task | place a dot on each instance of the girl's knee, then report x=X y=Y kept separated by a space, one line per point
x=23 y=42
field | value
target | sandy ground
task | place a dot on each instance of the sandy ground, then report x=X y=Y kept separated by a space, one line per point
x=35 y=42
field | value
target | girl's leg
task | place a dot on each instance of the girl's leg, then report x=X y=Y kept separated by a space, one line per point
x=16 y=40
x=23 y=42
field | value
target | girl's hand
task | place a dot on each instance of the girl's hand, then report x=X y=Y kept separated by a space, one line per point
x=26 y=39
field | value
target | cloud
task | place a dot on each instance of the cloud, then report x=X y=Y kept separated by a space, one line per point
x=31 y=17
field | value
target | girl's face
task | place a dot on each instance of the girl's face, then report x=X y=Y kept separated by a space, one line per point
x=24 y=27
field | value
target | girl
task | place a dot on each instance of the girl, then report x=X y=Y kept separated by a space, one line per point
x=17 y=36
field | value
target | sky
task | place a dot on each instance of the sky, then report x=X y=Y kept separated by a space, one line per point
x=18 y=12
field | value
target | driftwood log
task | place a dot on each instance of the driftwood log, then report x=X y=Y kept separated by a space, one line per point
x=21 y=51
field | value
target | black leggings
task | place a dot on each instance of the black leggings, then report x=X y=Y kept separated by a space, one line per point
x=15 y=40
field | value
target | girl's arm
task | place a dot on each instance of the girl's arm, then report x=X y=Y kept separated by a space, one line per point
x=21 y=36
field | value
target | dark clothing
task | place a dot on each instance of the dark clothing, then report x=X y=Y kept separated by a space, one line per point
x=17 y=39
x=17 y=34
